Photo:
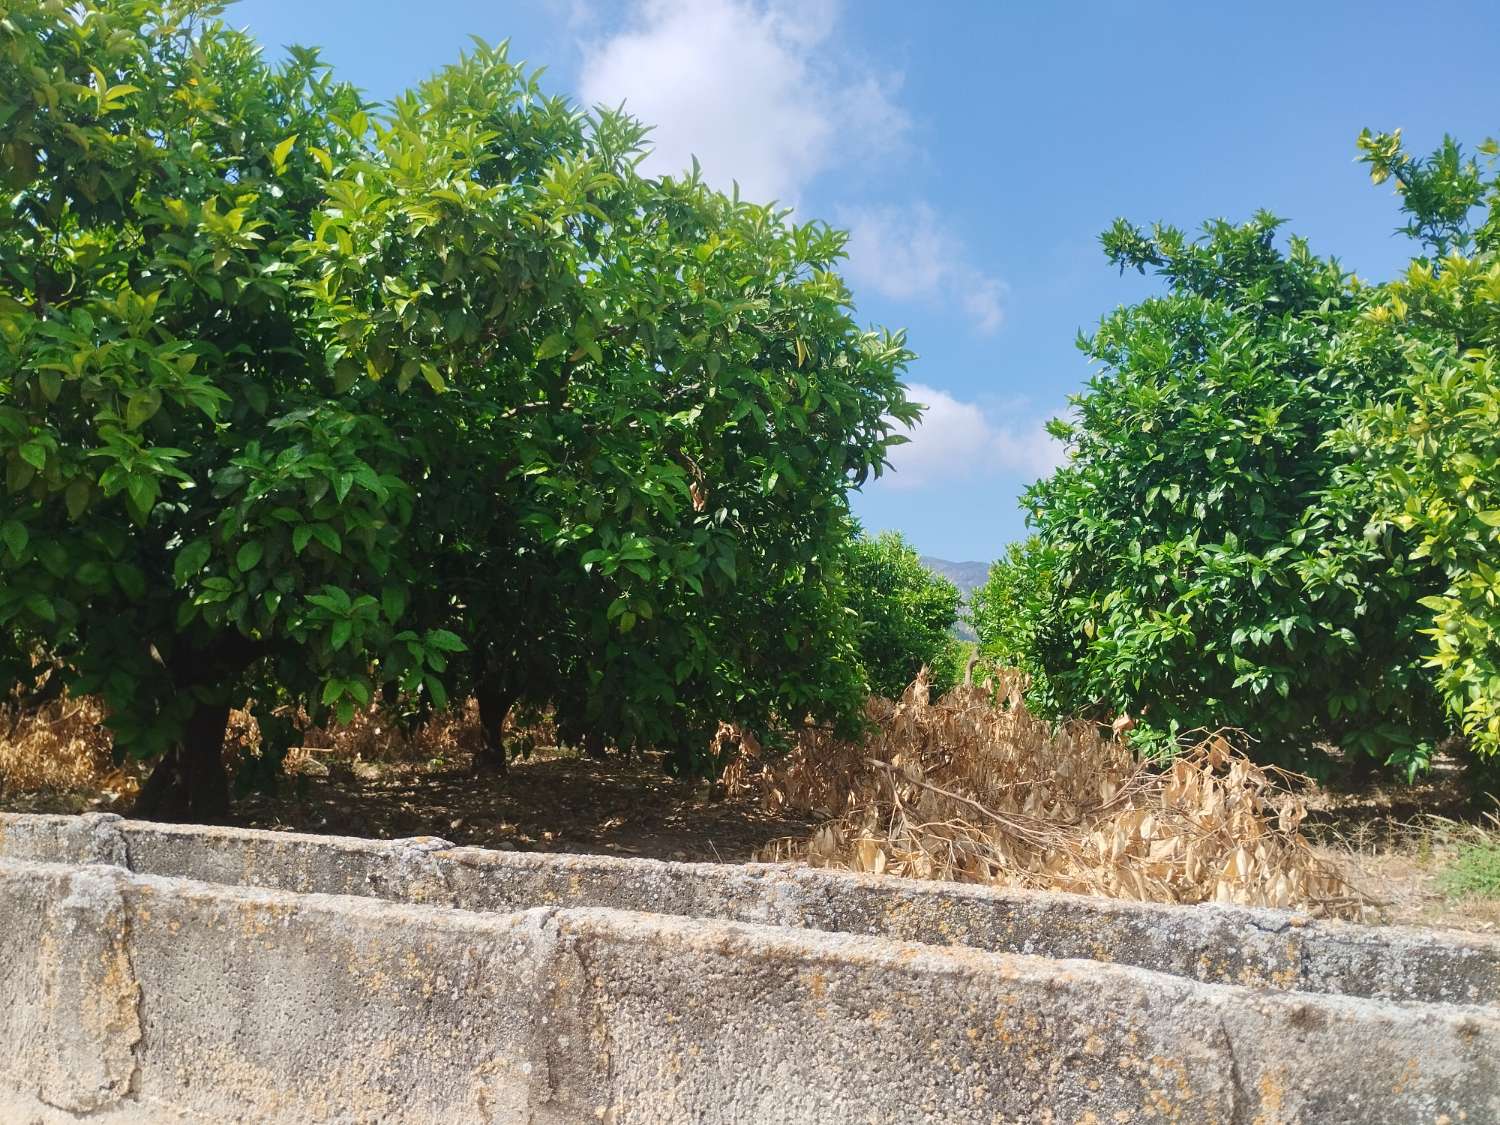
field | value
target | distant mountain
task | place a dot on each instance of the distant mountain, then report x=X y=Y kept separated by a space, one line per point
x=964 y=575
x=967 y=576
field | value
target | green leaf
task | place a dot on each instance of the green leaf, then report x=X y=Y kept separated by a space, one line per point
x=41 y=605
x=77 y=497
x=393 y=602
x=34 y=453
x=131 y=579
x=18 y=474
x=444 y=641
x=15 y=536
x=94 y=574
x=142 y=492
x=326 y=536
x=249 y=555
x=190 y=560
x=281 y=152
x=140 y=408
x=345 y=375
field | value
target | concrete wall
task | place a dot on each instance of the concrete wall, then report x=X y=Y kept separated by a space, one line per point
x=1206 y=943
x=129 y=997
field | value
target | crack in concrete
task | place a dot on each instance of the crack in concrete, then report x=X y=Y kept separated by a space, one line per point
x=137 y=1045
x=1240 y=1106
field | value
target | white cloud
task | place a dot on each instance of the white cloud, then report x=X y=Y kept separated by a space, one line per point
x=908 y=253
x=959 y=440
x=759 y=90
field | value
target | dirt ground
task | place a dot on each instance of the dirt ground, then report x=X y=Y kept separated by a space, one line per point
x=1394 y=843
x=555 y=803
x=558 y=803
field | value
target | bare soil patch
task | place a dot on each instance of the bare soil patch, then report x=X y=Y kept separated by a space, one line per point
x=1396 y=841
x=558 y=802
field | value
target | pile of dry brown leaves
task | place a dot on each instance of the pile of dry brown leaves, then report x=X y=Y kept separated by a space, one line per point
x=975 y=788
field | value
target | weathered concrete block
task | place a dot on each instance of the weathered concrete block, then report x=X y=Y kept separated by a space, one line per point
x=698 y=1021
x=1268 y=948
x=257 y=1005
x=68 y=994
x=254 y=1004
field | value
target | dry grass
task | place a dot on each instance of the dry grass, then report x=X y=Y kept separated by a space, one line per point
x=61 y=748
x=374 y=779
x=974 y=788
x=59 y=756
x=1424 y=870
x=375 y=736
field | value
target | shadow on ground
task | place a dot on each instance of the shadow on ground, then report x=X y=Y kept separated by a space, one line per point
x=560 y=804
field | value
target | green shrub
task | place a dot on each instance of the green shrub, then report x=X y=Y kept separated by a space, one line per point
x=1016 y=616
x=1281 y=509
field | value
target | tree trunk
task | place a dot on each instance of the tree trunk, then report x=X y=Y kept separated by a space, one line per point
x=495 y=703
x=593 y=745
x=189 y=783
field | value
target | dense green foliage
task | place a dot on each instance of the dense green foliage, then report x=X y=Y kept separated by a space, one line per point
x=1431 y=451
x=1017 y=618
x=301 y=400
x=1281 y=508
x=1212 y=569
x=906 y=615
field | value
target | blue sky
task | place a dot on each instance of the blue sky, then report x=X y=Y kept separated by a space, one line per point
x=975 y=150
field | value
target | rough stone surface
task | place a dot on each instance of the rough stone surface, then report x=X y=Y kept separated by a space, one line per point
x=212 y=1003
x=1214 y=944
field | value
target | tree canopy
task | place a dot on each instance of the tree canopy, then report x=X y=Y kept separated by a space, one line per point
x=906 y=615
x=1281 y=483
x=302 y=398
x=1430 y=450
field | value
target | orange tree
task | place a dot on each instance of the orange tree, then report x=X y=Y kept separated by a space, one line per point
x=1429 y=451
x=1203 y=557
x=905 y=615
x=300 y=399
